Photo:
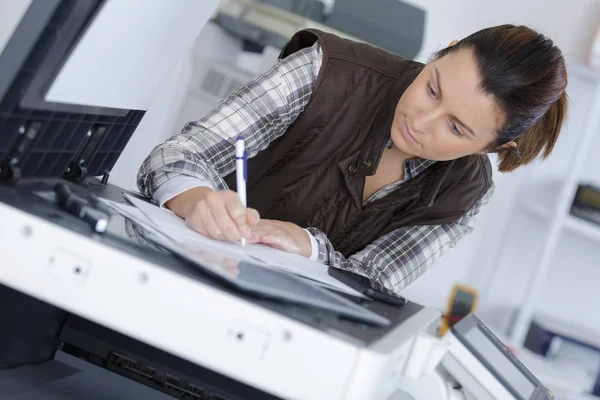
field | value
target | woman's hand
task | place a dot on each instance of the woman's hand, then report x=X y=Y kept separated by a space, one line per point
x=281 y=235
x=219 y=215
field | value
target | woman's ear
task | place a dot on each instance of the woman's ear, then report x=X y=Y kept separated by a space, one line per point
x=510 y=145
x=452 y=43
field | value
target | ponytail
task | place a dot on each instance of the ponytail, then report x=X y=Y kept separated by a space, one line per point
x=540 y=138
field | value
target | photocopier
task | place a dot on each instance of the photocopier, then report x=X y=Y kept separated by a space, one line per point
x=101 y=292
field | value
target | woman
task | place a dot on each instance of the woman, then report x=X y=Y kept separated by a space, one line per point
x=363 y=160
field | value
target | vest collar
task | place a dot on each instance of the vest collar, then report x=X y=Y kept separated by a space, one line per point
x=365 y=162
x=379 y=134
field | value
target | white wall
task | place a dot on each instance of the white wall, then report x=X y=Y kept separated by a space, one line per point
x=162 y=116
x=569 y=23
x=128 y=76
x=174 y=105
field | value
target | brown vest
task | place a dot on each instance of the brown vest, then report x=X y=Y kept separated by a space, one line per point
x=314 y=174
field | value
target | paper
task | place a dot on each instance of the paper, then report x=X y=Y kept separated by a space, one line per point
x=127 y=211
x=175 y=228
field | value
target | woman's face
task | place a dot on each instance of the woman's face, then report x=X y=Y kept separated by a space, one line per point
x=443 y=114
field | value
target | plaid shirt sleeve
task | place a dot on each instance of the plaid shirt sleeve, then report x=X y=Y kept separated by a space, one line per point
x=398 y=258
x=204 y=151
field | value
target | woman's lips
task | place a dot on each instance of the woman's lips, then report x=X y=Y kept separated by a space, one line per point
x=407 y=135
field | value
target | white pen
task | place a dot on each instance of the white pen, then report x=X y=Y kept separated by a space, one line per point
x=241 y=172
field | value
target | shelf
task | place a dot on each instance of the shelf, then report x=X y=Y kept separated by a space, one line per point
x=542 y=212
x=582 y=227
x=571 y=223
x=540 y=198
x=544 y=193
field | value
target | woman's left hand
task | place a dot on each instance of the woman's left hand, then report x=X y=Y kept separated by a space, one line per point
x=283 y=236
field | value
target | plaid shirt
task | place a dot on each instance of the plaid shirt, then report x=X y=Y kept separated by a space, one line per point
x=204 y=152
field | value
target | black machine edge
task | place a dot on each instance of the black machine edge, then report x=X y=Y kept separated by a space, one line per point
x=472 y=322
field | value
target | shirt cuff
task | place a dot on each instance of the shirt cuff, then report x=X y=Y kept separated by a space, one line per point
x=175 y=186
x=314 y=247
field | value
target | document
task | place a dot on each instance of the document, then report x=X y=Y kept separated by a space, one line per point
x=165 y=223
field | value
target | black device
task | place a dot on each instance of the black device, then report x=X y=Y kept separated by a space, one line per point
x=499 y=360
x=81 y=208
x=586 y=203
x=367 y=287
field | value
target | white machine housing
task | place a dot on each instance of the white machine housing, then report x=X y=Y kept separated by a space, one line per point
x=198 y=323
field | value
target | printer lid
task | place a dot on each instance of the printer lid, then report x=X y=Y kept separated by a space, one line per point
x=76 y=79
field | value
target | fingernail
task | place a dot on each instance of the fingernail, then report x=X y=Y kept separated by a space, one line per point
x=247 y=232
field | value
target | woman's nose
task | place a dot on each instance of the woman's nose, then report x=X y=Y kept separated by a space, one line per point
x=421 y=122
x=424 y=121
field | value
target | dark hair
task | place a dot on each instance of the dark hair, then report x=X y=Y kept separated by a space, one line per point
x=526 y=74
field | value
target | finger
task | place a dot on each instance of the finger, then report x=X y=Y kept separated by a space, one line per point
x=274 y=242
x=215 y=203
x=224 y=222
x=194 y=220
x=252 y=216
x=202 y=221
x=237 y=213
x=256 y=232
x=263 y=227
x=211 y=227
x=253 y=239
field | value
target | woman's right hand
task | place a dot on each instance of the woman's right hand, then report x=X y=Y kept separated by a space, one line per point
x=218 y=215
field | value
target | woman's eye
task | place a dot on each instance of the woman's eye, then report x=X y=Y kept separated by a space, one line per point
x=431 y=91
x=455 y=129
